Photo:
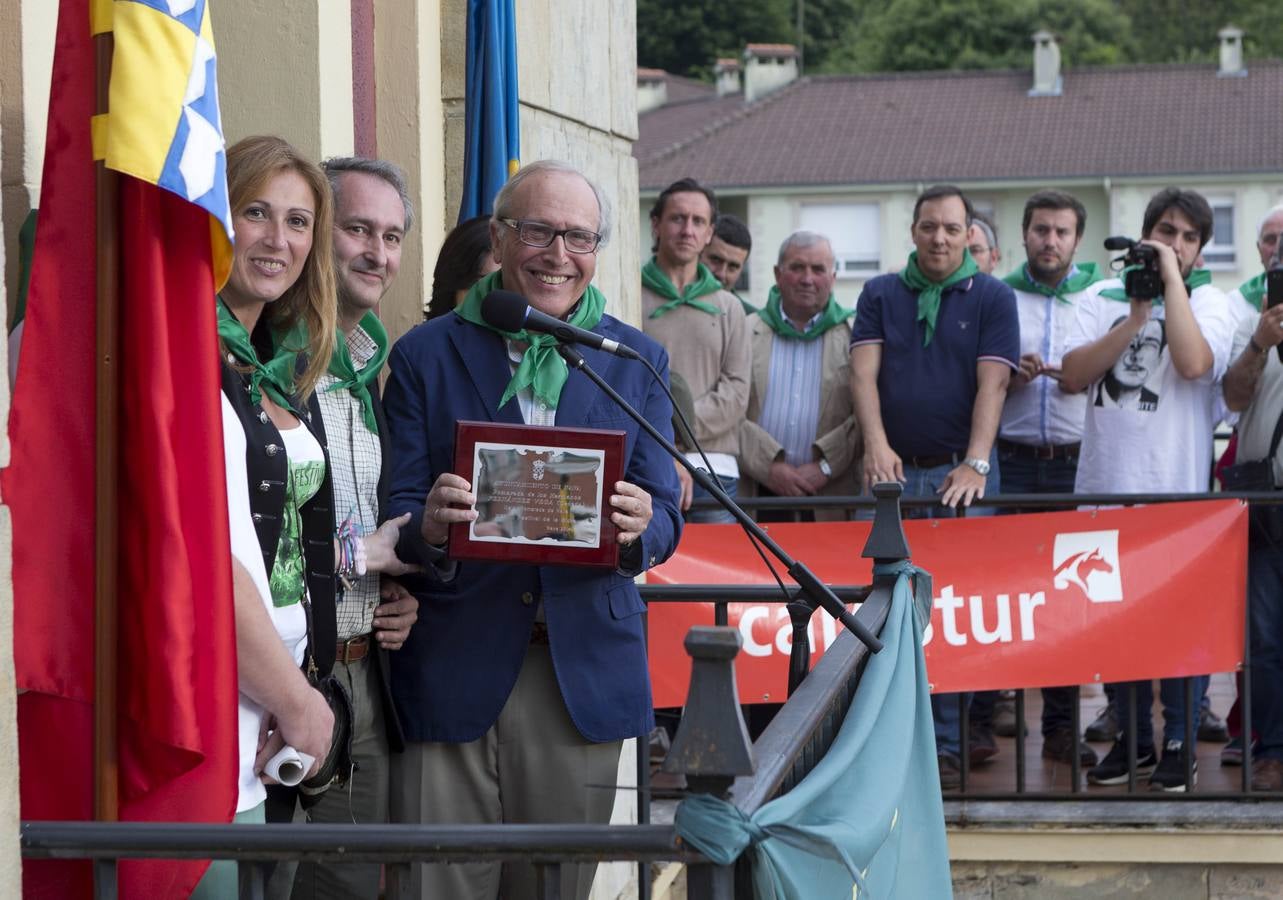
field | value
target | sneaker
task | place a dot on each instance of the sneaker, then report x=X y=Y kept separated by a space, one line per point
x=981 y=746
x=1267 y=775
x=950 y=772
x=1004 y=718
x=1232 y=753
x=1060 y=744
x=1170 y=774
x=1105 y=725
x=1211 y=727
x=1113 y=768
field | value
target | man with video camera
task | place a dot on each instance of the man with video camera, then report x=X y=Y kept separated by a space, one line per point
x=1149 y=349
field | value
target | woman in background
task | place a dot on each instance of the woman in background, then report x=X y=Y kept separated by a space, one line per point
x=463 y=260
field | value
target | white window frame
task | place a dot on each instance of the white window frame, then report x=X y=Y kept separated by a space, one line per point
x=1222 y=257
x=853 y=262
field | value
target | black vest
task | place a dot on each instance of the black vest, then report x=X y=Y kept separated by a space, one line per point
x=266 y=464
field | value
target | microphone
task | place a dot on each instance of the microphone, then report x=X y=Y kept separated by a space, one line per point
x=509 y=311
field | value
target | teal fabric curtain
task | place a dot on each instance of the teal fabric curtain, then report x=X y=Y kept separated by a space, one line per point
x=867 y=822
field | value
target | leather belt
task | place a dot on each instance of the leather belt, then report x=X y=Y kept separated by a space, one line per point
x=353 y=649
x=539 y=633
x=1050 y=451
x=931 y=462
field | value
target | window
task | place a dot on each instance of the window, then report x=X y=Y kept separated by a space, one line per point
x=1219 y=252
x=854 y=230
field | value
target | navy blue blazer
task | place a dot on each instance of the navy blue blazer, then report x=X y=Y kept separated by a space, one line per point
x=453 y=675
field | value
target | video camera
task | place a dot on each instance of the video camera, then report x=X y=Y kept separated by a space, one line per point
x=1142 y=275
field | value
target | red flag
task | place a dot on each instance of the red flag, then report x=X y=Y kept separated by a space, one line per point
x=176 y=687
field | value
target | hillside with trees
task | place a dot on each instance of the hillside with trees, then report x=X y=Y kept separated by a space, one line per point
x=856 y=36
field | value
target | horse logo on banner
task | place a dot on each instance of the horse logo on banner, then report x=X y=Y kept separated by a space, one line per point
x=1089 y=561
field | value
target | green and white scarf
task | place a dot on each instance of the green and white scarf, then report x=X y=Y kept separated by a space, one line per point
x=929 y=292
x=705 y=283
x=541 y=368
x=358 y=383
x=1085 y=277
x=773 y=315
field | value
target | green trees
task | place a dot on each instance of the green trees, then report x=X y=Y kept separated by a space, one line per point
x=911 y=35
x=916 y=35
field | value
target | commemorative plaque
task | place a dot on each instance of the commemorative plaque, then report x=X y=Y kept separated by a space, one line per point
x=543 y=494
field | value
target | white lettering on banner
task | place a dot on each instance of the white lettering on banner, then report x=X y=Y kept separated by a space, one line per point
x=1088 y=560
x=950 y=603
x=783 y=640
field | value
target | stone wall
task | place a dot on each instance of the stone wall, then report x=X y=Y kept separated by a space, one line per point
x=1079 y=881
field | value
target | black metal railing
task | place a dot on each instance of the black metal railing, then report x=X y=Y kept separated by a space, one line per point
x=916 y=506
x=788 y=749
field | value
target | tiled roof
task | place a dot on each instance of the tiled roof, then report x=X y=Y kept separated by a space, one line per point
x=771 y=49
x=972 y=126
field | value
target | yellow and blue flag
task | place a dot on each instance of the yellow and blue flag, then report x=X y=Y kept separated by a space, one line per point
x=164 y=125
x=492 y=143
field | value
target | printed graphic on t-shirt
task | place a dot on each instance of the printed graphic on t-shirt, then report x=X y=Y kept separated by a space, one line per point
x=1135 y=380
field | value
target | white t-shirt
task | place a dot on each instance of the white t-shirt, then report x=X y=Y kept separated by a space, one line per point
x=1148 y=430
x=290 y=621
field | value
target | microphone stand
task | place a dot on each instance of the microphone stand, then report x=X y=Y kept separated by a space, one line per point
x=815 y=590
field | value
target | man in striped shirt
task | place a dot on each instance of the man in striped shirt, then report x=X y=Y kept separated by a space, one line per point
x=800 y=438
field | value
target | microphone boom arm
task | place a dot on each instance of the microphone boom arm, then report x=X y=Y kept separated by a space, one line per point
x=811 y=585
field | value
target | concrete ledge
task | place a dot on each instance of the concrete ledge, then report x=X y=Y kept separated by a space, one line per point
x=1124 y=831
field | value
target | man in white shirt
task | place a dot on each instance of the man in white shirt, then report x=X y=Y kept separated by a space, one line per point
x=1042 y=423
x=1151 y=370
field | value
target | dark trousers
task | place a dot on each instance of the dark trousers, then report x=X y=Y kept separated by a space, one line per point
x=1022 y=474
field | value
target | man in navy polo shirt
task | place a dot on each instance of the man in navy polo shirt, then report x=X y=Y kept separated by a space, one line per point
x=931 y=353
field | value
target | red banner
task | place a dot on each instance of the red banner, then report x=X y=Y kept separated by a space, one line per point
x=1032 y=600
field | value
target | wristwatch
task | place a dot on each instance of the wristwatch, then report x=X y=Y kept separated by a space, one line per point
x=825 y=467
x=980 y=465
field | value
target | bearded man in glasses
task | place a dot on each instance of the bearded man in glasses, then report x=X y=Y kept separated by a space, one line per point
x=519 y=683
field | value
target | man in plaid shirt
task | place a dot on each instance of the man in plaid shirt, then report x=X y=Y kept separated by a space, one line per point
x=372 y=213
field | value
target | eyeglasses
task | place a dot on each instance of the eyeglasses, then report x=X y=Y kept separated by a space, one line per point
x=537 y=234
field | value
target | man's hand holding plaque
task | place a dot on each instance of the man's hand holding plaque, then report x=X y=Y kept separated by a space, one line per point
x=632 y=512
x=450 y=500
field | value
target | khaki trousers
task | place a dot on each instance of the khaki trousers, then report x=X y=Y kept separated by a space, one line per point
x=532 y=766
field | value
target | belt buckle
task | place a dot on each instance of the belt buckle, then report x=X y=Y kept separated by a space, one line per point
x=346 y=658
x=1047 y=452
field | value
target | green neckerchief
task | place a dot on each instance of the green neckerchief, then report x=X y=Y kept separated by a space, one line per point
x=1253 y=291
x=26 y=251
x=541 y=367
x=1197 y=278
x=1085 y=277
x=705 y=283
x=749 y=308
x=929 y=292
x=358 y=383
x=773 y=315
x=276 y=376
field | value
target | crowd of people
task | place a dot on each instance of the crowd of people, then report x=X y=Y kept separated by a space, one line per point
x=501 y=692
x=958 y=383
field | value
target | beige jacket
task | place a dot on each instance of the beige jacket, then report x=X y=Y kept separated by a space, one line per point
x=837 y=432
x=712 y=354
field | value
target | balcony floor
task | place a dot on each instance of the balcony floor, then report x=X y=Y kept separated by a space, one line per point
x=998 y=775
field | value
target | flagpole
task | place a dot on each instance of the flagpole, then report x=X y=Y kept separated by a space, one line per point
x=106 y=754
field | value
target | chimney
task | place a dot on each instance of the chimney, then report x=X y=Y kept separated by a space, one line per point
x=1231 y=52
x=652 y=89
x=767 y=68
x=1047 y=81
x=727 y=71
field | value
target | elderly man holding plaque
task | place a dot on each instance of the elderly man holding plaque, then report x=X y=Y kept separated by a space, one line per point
x=521 y=679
